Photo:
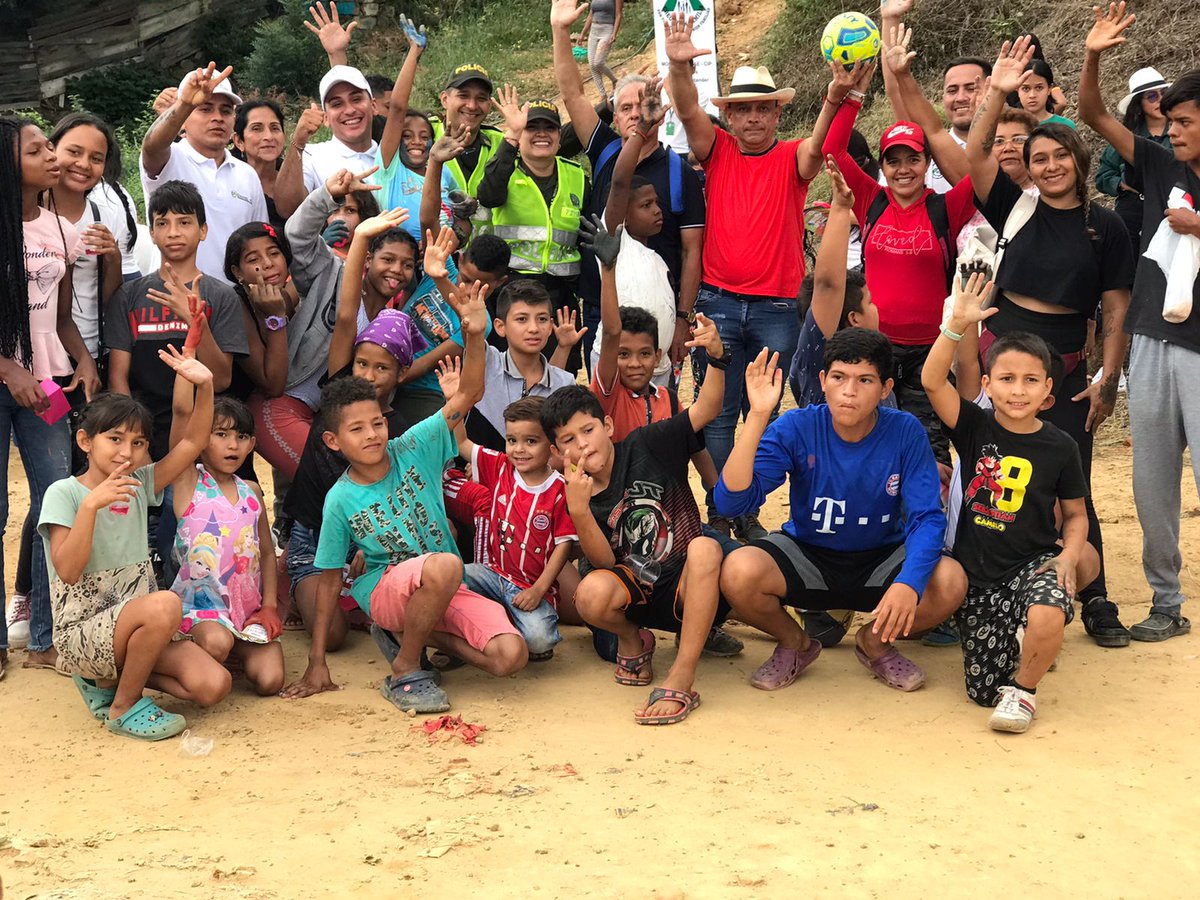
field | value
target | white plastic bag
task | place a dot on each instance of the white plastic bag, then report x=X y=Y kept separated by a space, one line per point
x=1178 y=255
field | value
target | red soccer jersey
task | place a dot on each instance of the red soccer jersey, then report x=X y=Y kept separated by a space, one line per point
x=527 y=523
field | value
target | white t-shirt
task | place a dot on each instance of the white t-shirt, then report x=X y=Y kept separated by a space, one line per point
x=933 y=175
x=232 y=194
x=324 y=159
x=109 y=212
x=642 y=280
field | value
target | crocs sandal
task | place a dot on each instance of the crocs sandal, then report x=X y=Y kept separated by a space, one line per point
x=687 y=700
x=785 y=666
x=637 y=670
x=415 y=691
x=390 y=648
x=147 y=721
x=892 y=669
x=98 y=699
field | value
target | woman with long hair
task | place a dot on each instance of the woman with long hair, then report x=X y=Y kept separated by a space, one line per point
x=1052 y=295
x=259 y=139
x=41 y=350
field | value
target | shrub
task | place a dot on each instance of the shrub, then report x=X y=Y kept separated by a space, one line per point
x=286 y=56
x=118 y=94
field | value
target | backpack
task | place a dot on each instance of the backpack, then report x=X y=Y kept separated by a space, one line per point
x=939 y=217
x=674 y=171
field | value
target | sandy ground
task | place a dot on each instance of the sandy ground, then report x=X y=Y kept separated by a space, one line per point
x=835 y=784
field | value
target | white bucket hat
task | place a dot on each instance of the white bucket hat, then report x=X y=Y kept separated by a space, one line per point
x=1147 y=79
x=750 y=83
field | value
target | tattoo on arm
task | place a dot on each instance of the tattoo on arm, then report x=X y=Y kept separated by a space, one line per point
x=1108 y=389
x=989 y=136
x=455 y=416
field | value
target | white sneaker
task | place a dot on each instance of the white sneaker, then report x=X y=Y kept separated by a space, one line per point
x=1015 y=711
x=18 y=622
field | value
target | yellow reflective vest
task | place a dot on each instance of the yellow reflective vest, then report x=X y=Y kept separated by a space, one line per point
x=492 y=139
x=542 y=239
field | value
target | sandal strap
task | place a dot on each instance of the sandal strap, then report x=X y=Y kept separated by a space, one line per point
x=683 y=697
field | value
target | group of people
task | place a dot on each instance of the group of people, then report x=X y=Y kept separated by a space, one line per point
x=395 y=321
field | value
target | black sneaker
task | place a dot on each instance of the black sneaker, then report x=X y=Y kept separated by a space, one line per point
x=1101 y=622
x=720 y=644
x=821 y=626
x=1159 y=626
x=721 y=524
x=748 y=528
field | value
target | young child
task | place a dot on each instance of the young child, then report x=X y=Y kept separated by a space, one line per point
x=147 y=314
x=389 y=505
x=1016 y=467
x=639 y=527
x=224 y=550
x=114 y=632
x=530 y=534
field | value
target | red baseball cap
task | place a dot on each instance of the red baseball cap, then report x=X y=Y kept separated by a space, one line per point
x=903 y=134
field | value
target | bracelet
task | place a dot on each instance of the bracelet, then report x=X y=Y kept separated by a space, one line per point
x=857 y=95
x=831 y=103
x=954 y=336
x=722 y=363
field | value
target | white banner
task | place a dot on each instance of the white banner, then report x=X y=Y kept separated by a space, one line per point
x=704 y=36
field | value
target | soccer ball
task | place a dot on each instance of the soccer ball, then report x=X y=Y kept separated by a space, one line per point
x=848 y=38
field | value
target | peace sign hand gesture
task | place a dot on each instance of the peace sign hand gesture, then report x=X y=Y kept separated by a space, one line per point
x=198 y=87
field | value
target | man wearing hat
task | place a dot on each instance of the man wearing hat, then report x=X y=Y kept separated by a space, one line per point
x=1143 y=117
x=753 y=260
x=466 y=100
x=537 y=199
x=204 y=109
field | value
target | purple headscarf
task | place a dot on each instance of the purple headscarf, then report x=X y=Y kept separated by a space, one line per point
x=396 y=333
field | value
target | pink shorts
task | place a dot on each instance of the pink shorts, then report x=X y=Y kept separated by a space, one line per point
x=469 y=616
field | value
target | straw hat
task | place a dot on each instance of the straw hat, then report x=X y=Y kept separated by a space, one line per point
x=750 y=83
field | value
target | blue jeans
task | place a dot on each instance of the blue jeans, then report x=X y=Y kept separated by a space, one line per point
x=46 y=454
x=746 y=325
x=539 y=626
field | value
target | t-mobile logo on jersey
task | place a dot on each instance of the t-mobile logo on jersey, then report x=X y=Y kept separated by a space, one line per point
x=834 y=513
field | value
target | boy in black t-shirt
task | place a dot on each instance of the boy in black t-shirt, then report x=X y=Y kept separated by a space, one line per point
x=640 y=529
x=1015 y=468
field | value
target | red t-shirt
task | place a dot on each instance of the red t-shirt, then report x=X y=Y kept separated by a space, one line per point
x=628 y=410
x=526 y=522
x=754 y=234
x=905 y=267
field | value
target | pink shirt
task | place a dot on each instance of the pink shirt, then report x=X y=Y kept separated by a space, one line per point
x=48 y=252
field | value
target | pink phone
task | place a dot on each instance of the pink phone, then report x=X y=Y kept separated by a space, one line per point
x=59 y=405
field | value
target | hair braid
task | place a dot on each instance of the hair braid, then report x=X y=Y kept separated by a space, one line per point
x=15 y=341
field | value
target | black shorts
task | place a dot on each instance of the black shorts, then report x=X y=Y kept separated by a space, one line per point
x=658 y=607
x=821 y=579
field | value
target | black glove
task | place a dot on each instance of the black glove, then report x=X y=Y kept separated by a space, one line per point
x=605 y=246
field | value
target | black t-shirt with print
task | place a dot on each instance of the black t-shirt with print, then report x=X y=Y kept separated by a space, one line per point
x=1010 y=483
x=1078 y=269
x=1160 y=171
x=648 y=508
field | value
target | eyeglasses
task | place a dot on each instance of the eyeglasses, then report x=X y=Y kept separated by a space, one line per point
x=1152 y=96
x=1019 y=141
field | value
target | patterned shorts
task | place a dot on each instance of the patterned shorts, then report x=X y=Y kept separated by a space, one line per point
x=85 y=616
x=988 y=621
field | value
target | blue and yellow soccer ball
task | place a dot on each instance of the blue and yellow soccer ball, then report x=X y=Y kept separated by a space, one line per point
x=848 y=38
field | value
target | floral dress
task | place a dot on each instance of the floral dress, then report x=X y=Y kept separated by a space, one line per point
x=216 y=546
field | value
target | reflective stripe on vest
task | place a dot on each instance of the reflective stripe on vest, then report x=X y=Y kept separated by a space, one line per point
x=541 y=238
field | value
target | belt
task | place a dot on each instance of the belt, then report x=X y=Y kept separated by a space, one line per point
x=734 y=295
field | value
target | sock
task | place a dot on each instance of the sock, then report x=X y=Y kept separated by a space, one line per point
x=1021 y=687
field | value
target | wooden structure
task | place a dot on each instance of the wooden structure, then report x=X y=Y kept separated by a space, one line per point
x=79 y=36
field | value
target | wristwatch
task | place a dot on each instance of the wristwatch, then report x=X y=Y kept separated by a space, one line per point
x=688 y=315
x=275 y=323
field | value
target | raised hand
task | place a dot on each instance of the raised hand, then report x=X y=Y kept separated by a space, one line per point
x=469 y=301
x=843 y=81
x=453 y=142
x=418 y=40
x=437 y=252
x=898 y=58
x=175 y=297
x=309 y=124
x=566 y=332
x=462 y=205
x=652 y=110
x=606 y=246
x=165 y=100
x=705 y=337
x=188 y=369
x=680 y=48
x=565 y=13
x=267 y=299
x=197 y=322
x=328 y=28
x=119 y=487
x=764 y=382
x=336 y=234
x=1008 y=74
x=841 y=195
x=199 y=85
x=579 y=485
x=385 y=221
x=449 y=374
x=516 y=116
x=894 y=9
x=969 y=299
x=342 y=182
x=1108 y=30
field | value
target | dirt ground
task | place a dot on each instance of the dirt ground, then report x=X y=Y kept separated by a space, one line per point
x=836 y=784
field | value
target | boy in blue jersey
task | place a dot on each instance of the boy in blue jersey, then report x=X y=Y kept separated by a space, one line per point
x=866 y=527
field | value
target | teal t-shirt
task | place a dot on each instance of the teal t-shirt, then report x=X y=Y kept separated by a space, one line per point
x=399 y=517
x=402 y=187
x=1058 y=120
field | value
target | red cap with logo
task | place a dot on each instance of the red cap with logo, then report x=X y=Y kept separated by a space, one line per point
x=903 y=134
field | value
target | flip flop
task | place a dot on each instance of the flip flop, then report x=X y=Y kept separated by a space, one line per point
x=687 y=700
x=415 y=691
x=98 y=699
x=893 y=669
x=390 y=648
x=293 y=622
x=637 y=670
x=785 y=666
x=146 y=721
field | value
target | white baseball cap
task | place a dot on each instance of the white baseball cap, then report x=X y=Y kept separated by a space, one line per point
x=223 y=88
x=348 y=74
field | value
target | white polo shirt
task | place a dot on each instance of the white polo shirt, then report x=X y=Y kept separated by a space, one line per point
x=232 y=194
x=933 y=175
x=324 y=159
